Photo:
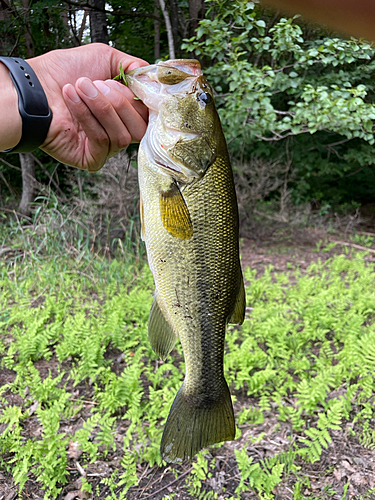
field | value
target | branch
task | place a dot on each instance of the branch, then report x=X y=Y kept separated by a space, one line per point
x=10 y=165
x=16 y=43
x=83 y=25
x=168 y=485
x=38 y=184
x=333 y=143
x=5 y=250
x=7 y=184
x=169 y=29
x=359 y=247
x=355 y=172
x=51 y=179
x=17 y=213
x=286 y=113
x=279 y=137
x=128 y=13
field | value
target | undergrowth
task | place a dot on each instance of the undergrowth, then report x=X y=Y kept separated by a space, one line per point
x=305 y=354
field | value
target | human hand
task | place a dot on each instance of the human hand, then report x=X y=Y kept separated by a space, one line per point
x=93 y=116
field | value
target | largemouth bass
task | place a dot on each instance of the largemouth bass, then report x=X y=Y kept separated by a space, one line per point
x=189 y=223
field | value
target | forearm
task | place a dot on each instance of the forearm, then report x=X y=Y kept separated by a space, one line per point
x=10 y=119
x=355 y=18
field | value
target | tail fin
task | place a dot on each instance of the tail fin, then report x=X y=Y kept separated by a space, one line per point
x=190 y=428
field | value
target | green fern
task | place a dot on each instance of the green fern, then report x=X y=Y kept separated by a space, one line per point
x=306 y=356
x=318 y=437
x=262 y=478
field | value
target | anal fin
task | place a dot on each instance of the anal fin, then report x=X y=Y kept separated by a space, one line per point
x=238 y=314
x=160 y=332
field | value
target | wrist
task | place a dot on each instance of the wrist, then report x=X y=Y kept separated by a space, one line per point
x=10 y=119
x=33 y=106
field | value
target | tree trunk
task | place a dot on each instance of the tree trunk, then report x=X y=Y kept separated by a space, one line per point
x=7 y=39
x=26 y=160
x=28 y=183
x=83 y=26
x=168 y=27
x=98 y=22
x=196 y=13
x=174 y=21
x=157 y=33
x=28 y=38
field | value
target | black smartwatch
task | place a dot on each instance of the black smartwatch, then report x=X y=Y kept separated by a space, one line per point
x=32 y=103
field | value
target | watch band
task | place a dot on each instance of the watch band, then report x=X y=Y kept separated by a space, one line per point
x=32 y=103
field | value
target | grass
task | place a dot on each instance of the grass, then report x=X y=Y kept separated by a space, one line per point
x=83 y=390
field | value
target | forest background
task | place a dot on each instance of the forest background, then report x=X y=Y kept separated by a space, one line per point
x=296 y=101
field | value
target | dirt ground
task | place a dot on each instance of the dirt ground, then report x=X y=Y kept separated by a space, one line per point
x=344 y=465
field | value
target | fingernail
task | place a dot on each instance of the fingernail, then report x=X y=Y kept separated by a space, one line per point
x=88 y=88
x=104 y=89
x=71 y=93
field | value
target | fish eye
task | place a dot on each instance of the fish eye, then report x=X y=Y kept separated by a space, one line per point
x=204 y=97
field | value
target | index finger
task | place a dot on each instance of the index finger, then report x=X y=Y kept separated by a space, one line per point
x=126 y=92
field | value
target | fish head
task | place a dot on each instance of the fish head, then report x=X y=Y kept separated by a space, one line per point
x=184 y=131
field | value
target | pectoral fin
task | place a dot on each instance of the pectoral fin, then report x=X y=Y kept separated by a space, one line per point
x=162 y=337
x=238 y=314
x=175 y=214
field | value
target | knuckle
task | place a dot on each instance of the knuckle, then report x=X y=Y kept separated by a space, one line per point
x=124 y=140
x=138 y=135
x=105 y=107
x=102 y=138
x=118 y=101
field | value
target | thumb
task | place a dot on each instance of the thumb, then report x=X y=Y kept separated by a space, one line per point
x=128 y=62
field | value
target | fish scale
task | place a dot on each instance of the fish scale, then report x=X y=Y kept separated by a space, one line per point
x=190 y=227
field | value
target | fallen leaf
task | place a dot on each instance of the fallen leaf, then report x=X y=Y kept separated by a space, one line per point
x=74 y=451
x=72 y=495
x=337 y=474
x=11 y=495
x=358 y=478
x=33 y=407
x=347 y=466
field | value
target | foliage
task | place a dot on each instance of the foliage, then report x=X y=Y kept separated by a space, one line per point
x=261 y=477
x=287 y=90
x=306 y=352
x=131 y=34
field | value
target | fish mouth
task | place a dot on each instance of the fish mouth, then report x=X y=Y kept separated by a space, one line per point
x=153 y=83
x=191 y=67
